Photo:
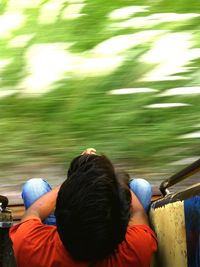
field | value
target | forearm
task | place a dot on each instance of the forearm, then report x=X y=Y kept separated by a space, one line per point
x=139 y=215
x=135 y=203
x=43 y=206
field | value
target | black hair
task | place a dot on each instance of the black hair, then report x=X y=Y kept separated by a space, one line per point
x=92 y=209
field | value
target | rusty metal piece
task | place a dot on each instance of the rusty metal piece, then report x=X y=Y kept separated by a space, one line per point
x=174 y=179
x=6 y=252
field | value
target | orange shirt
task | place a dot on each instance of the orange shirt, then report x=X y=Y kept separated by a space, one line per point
x=38 y=245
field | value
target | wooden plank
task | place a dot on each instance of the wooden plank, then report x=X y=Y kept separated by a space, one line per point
x=17 y=211
x=169 y=224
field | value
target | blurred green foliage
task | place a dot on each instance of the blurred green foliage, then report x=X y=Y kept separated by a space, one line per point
x=78 y=112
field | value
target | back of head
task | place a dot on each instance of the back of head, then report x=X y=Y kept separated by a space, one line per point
x=92 y=209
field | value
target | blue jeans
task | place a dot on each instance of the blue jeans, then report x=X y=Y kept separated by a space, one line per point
x=36 y=187
x=142 y=190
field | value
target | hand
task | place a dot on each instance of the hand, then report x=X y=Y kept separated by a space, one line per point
x=89 y=151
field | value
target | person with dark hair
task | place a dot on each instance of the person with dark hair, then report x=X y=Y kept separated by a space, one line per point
x=97 y=217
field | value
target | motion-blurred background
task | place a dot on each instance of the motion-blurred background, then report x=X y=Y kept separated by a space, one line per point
x=122 y=76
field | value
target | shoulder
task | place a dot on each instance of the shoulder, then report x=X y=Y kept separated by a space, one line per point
x=27 y=227
x=139 y=245
x=32 y=240
x=32 y=232
x=139 y=231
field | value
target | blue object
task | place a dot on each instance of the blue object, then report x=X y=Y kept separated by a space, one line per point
x=192 y=225
x=142 y=190
x=34 y=189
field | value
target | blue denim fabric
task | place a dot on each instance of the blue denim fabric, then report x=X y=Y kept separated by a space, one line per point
x=142 y=190
x=34 y=189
